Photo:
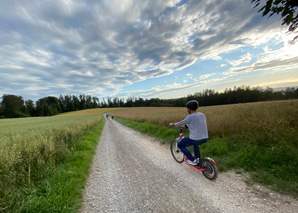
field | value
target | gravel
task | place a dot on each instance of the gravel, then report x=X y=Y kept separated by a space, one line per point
x=132 y=172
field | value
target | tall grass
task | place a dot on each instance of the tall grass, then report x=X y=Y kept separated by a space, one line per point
x=62 y=190
x=31 y=148
x=261 y=138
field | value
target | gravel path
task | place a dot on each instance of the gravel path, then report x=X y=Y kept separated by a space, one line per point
x=134 y=173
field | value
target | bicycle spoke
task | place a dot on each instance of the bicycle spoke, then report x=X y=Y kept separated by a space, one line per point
x=176 y=152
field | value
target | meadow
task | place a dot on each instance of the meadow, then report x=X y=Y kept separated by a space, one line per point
x=44 y=161
x=260 y=138
x=31 y=149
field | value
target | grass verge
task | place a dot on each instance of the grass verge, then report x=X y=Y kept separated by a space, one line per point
x=62 y=189
x=274 y=165
x=164 y=134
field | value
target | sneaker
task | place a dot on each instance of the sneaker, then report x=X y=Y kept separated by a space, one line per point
x=198 y=160
x=194 y=163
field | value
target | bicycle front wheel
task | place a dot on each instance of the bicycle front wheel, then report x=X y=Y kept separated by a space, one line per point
x=177 y=154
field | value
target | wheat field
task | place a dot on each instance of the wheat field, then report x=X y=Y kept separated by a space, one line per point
x=261 y=138
x=269 y=118
x=30 y=147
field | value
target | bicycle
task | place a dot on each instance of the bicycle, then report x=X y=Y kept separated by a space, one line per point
x=206 y=165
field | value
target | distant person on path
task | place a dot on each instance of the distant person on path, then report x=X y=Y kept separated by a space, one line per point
x=112 y=117
x=198 y=133
x=107 y=115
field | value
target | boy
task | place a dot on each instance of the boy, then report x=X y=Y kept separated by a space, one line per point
x=198 y=133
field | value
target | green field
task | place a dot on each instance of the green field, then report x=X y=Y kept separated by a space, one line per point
x=44 y=161
x=31 y=149
x=260 y=138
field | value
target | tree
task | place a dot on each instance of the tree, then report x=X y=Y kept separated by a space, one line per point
x=69 y=106
x=1 y=111
x=287 y=8
x=88 y=102
x=41 y=107
x=82 y=102
x=95 y=102
x=30 y=107
x=290 y=93
x=62 y=103
x=13 y=106
x=121 y=102
x=129 y=102
x=48 y=106
x=76 y=103
x=116 y=102
x=104 y=103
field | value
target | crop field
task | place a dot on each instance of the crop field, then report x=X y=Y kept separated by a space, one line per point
x=31 y=147
x=270 y=119
x=261 y=137
x=97 y=111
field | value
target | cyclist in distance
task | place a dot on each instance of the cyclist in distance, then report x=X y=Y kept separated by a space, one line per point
x=198 y=133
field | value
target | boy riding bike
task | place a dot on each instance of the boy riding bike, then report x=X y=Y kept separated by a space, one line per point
x=196 y=122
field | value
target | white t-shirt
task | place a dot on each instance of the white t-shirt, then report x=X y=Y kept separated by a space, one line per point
x=197 y=125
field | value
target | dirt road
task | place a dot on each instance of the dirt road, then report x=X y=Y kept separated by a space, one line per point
x=133 y=173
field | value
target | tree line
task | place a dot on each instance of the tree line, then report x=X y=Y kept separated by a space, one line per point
x=208 y=97
x=13 y=106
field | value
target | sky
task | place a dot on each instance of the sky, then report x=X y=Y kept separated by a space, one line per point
x=140 y=48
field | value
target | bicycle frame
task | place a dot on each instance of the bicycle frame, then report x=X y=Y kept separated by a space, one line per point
x=206 y=165
x=198 y=167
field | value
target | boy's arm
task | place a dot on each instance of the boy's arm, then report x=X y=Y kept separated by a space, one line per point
x=181 y=123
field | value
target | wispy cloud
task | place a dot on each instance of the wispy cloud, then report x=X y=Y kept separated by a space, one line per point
x=174 y=88
x=202 y=77
x=265 y=65
x=244 y=59
x=98 y=47
x=289 y=81
x=285 y=57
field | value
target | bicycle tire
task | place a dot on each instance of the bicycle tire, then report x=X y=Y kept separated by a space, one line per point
x=211 y=170
x=177 y=154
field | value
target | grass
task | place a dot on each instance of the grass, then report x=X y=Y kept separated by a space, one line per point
x=162 y=133
x=34 y=150
x=44 y=162
x=97 y=111
x=62 y=190
x=260 y=138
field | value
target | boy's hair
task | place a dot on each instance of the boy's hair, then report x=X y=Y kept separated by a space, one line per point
x=193 y=105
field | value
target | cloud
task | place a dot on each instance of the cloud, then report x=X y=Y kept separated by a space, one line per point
x=202 y=77
x=174 y=88
x=98 y=47
x=266 y=65
x=279 y=83
x=283 y=58
x=244 y=59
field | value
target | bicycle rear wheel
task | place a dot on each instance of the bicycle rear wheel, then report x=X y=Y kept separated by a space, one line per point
x=211 y=169
x=176 y=152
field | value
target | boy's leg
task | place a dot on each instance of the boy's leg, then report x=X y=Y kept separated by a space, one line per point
x=185 y=142
x=196 y=147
